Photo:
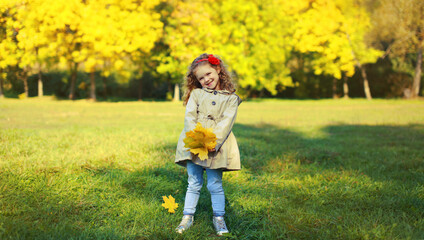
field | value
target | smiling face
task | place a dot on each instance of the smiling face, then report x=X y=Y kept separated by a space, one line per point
x=207 y=76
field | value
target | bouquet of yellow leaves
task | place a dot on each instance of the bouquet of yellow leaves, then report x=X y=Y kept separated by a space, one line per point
x=200 y=141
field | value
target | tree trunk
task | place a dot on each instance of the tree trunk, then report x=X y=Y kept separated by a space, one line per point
x=93 y=85
x=40 y=80
x=176 y=93
x=417 y=76
x=363 y=73
x=345 y=88
x=40 y=83
x=335 y=88
x=366 y=85
x=73 y=68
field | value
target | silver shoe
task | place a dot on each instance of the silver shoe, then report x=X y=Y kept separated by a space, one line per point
x=185 y=224
x=220 y=227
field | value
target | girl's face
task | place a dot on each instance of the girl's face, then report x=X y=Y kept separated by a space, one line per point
x=207 y=76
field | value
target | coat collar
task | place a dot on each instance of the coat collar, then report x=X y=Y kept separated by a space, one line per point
x=219 y=91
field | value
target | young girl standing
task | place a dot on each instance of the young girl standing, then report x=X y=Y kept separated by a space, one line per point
x=211 y=101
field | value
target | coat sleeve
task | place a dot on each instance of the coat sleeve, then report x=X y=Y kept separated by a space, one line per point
x=190 y=118
x=225 y=124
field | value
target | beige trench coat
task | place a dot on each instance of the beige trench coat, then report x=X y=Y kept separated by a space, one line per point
x=216 y=110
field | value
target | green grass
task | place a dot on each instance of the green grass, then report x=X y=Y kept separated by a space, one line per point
x=327 y=169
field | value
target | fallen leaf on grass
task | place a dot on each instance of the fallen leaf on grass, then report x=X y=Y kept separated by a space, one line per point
x=200 y=141
x=169 y=203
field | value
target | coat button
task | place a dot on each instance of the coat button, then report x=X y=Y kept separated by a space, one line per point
x=213 y=102
x=215 y=92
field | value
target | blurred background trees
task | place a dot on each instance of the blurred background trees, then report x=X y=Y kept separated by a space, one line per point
x=399 y=28
x=137 y=49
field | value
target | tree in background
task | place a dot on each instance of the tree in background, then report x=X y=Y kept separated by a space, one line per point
x=333 y=33
x=185 y=26
x=356 y=25
x=145 y=29
x=399 y=29
x=104 y=35
x=63 y=31
x=116 y=35
x=8 y=44
x=251 y=36
x=5 y=45
x=34 y=46
x=23 y=43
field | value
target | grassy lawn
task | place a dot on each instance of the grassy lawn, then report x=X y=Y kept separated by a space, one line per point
x=327 y=169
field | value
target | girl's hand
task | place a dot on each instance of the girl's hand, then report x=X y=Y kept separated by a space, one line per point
x=212 y=150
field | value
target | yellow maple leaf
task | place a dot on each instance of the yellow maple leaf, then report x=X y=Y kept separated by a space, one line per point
x=202 y=153
x=169 y=203
x=200 y=141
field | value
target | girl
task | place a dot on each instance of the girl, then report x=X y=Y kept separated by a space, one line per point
x=210 y=100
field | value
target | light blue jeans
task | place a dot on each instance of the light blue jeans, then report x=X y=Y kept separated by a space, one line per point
x=195 y=183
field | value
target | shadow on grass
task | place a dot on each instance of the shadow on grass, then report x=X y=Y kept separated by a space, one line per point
x=382 y=152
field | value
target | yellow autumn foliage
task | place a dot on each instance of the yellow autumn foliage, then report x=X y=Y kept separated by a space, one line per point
x=263 y=42
x=200 y=141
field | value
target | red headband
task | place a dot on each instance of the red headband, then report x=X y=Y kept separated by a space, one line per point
x=212 y=60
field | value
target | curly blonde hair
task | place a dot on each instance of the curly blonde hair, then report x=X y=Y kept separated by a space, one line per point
x=191 y=82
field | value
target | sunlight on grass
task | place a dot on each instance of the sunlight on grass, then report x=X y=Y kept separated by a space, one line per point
x=311 y=170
